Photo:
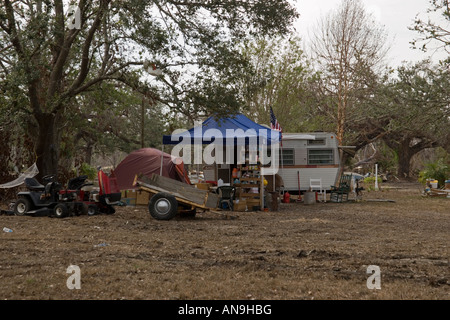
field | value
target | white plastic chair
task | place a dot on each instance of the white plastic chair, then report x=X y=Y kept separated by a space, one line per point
x=316 y=185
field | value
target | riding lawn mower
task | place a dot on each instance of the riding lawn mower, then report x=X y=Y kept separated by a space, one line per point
x=79 y=197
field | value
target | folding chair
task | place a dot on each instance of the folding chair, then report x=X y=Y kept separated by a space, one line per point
x=316 y=184
x=340 y=193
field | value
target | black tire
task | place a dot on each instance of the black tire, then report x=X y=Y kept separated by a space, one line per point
x=92 y=210
x=110 y=210
x=84 y=209
x=22 y=206
x=61 y=210
x=163 y=206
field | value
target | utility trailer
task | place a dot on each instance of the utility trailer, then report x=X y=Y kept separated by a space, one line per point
x=171 y=197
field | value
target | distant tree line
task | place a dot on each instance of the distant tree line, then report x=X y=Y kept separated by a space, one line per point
x=342 y=84
x=70 y=92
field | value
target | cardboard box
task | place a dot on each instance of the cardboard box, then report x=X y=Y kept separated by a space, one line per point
x=203 y=186
x=142 y=197
x=253 y=203
x=240 y=205
x=132 y=194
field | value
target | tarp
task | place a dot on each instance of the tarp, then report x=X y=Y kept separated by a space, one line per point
x=31 y=172
x=238 y=130
x=145 y=162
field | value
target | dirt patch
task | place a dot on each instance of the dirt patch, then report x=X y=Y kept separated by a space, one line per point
x=319 y=251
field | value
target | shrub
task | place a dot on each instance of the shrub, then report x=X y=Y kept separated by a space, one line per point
x=437 y=170
x=369 y=182
x=372 y=180
x=89 y=171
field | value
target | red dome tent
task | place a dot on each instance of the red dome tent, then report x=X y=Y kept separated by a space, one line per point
x=147 y=161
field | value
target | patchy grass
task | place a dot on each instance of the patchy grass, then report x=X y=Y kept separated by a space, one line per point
x=318 y=251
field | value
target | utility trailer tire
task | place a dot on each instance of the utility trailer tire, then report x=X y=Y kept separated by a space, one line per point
x=163 y=206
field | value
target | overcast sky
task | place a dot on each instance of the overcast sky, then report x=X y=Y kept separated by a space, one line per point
x=395 y=15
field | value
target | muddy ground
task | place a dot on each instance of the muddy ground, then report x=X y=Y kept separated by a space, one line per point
x=319 y=251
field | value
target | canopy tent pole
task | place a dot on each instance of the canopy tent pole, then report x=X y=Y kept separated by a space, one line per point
x=274 y=174
x=282 y=162
x=273 y=182
x=162 y=157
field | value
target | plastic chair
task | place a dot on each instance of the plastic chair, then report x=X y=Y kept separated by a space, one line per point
x=316 y=184
x=226 y=195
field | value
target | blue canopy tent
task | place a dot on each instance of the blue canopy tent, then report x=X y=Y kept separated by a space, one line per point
x=237 y=130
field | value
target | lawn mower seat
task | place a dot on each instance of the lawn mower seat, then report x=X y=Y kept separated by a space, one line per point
x=33 y=185
x=76 y=183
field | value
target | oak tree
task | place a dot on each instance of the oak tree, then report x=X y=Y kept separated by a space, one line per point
x=54 y=53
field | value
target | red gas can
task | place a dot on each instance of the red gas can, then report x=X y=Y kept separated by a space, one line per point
x=286 y=197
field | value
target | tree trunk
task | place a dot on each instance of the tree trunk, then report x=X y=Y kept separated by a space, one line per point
x=404 y=160
x=89 y=152
x=47 y=145
x=405 y=153
x=405 y=150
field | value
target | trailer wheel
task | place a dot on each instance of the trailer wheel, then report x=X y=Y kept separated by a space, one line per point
x=22 y=206
x=163 y=206
x=61 y=210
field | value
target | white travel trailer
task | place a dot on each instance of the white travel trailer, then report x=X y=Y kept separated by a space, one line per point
x=305 y=156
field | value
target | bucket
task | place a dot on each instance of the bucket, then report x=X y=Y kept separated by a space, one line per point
x=434 y=184
x=309 y=197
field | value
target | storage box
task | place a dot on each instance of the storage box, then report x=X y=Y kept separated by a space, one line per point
x=240 y=205
x=142 y=197
x=253 y=203
x=203 y=186
x=132 y=194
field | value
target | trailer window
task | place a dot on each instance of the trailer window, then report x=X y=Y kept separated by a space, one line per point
x=320 y=157
x=287 y=157
x=317 y=142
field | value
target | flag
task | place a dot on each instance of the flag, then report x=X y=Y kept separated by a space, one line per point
x=274 y=124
